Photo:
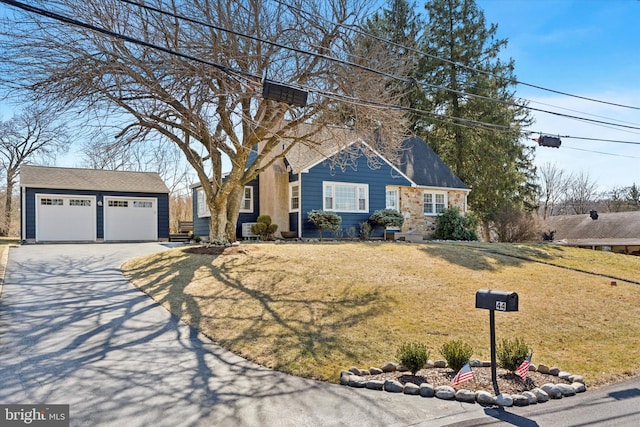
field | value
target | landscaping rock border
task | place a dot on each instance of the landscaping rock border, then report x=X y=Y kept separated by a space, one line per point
x=355 y=377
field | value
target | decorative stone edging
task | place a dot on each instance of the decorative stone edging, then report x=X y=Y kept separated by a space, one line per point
x=354 y=377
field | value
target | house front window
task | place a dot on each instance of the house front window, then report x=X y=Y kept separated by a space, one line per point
x=294 y=198
x=392 y=199
x=203 y=209
x=345 y=197
x=434 y=203
x=247 y=200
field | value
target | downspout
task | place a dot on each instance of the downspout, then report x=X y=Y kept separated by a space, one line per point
x=300 y=206
x=23 y=229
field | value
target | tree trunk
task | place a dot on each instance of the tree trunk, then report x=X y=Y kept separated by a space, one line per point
x=6 y=219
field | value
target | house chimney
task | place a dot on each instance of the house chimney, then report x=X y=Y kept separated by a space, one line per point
x=593 y=215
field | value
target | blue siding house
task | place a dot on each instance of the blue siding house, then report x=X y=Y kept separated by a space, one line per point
x=346 y=176
x=88 y=205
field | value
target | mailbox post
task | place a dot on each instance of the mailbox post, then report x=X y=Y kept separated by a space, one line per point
x=492 y=301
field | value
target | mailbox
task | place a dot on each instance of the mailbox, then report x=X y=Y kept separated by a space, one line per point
x=496 y=300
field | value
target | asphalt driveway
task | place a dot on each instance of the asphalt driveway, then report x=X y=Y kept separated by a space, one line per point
x=74 y=331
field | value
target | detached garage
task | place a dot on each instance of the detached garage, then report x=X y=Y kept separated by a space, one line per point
x=88 y=205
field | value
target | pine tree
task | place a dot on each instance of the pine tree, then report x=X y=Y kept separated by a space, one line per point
x=489 y=159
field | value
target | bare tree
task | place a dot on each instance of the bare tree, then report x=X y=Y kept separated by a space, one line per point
x=582 y=193
x=32 y=134
x=553 y=187
x=207 y=99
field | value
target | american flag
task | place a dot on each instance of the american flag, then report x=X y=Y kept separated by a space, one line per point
x=464 y=374
x=523 y=370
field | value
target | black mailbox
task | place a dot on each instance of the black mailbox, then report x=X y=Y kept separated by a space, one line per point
x=496 y=300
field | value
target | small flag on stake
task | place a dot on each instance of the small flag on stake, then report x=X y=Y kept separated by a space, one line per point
x=523 y=370
x=464 y=374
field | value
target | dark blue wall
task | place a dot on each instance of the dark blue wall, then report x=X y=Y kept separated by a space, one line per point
x=201 y=225
x=30 y=209
x=360 y=173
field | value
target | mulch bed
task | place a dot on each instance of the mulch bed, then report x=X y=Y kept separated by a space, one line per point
x=217 y=250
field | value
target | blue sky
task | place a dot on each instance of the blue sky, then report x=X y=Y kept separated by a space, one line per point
x=585 y=47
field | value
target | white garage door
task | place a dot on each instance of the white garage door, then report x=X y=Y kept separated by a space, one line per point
x=65 y=218
x=130 y=219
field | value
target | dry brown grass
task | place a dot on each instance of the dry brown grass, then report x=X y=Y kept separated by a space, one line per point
x=313 y=309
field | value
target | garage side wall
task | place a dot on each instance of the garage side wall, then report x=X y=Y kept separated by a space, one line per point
x=29 y=216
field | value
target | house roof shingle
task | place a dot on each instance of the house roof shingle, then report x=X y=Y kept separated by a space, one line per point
x=91 y=179
x=614 y=228
x=424 y=167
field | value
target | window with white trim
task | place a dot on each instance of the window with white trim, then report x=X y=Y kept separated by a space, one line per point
x=247 y=200
x=201 y=201
x=392 y=198
x=345 y=197
x=294 y=198
x=434 y=203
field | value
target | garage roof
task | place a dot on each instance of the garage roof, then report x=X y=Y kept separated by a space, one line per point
x=91 y=179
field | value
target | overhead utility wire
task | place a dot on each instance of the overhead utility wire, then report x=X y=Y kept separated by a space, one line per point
x=75 y=22
x=448 y=61
x=306 y=52
x=294 y=49
x=231 y=71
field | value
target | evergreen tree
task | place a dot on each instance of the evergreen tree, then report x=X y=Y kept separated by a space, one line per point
x=490 y=159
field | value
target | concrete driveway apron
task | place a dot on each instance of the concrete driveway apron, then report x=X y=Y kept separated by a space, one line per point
x=74 y=331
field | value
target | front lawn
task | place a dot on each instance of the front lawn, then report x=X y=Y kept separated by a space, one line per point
x=313 y=309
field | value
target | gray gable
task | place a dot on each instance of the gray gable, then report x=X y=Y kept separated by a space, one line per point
x=91 y=179
x=424 y=167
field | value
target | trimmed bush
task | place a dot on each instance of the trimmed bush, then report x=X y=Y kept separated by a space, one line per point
x=457 y=353
x=450 y=225
x=264 y=228
x=324 y=220
x=387 y=218
x=413 y=356
x=511 y=353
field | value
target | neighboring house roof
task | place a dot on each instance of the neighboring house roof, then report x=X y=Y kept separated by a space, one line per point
x=91 y=179
x=614 y=228
x=424 y=167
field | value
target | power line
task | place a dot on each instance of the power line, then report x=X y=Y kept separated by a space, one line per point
x=448 y=61
x=232 y=72
x=404 y=80
x=602 y=152
x=258 y=39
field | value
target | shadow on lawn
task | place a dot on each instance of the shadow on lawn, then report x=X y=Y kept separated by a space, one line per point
x=481 y=256
x=255 y=308
x=74 y=331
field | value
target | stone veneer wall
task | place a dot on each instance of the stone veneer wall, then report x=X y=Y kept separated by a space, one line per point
x=411 y=207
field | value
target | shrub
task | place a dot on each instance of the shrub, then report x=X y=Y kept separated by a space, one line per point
x=387 y=218
x=365 y=230
x=511 y=353
x=264 y=228
x=324 y=220
x=450 y=225
x=457 y=353
x=413 y=356
x=512 y=225
x=351 y=232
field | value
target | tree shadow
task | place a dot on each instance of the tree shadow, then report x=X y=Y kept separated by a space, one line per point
x=74 y=331
x=485 y=257
x=291 y=327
